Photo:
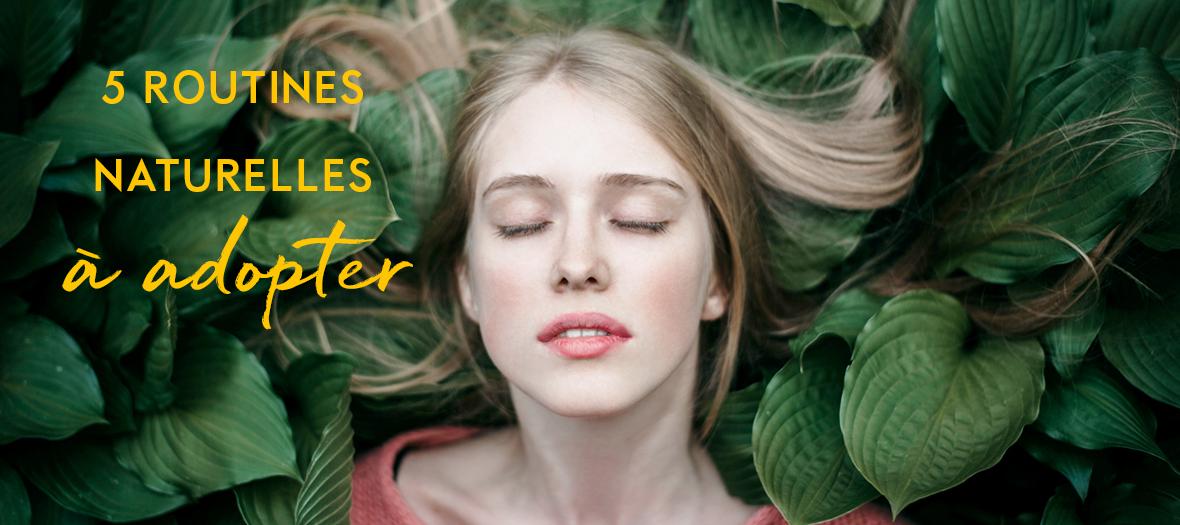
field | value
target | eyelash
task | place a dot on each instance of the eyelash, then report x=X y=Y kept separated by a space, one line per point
x=525 y=229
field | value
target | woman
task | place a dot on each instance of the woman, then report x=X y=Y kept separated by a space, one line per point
x=600 y=217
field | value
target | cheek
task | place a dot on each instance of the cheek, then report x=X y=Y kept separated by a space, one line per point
x=500 y=293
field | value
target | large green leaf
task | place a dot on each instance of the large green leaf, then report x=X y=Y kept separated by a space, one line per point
x=924 y=406
x=636 y=15
x=14 y=499
x=1143 y=342
x=922 y=60
x=226 y=426
x=731 y=446
x=47 y=388
x=185 y=228
x=798 y=450
x=1068 y=342
x=991 y=48
x=1062 y=508
x=193 y=129
x=89 y=127
x=42 y=242
x=269 y=18
x=21 y=163
x=36 y=36
x=321 y=384
x=74 y=180
x=156 y=390
x=83 y=475
x=1120 y=25
x=1093 y=411
x=844 y=317
x=1128 y=504
x=288 y=217
x=1064 y=193
x=48 y=512
x=852 y=13
x=142 y=25
x=807 y=241
x=740 y=36
x=130 y=315
x=404 y=130
x=1074 y=463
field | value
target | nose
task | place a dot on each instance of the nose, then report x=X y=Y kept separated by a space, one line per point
x=580 y=263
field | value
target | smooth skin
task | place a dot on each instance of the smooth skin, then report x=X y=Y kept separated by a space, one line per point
x=578 y=208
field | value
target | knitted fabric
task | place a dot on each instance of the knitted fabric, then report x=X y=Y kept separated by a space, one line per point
x=377 y=501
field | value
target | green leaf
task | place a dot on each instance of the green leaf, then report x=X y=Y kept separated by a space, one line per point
x=288 y=217
x=14 y=499
x=265 y=19
x=83 y=475
x=731 y=445
x=1062 y=508
x=404 y=130
x=1074 y=463
x=1143 y=343
x=844 y=317
x=268 y=501
x=740 y=36
x=321 y=382
x=992 y=48
x=1120 y=25
x=21 y=164
x=186 y=228
x=157 y=392
x=192 y=130
x=48 y=512
x=637 y=15
x=226 y=427
x=806 y=242
x=852 y=13
x=47 y=388
x=89 y=127
x=75 y=180
x=1063 y=194
x=42 y=242
x=130 y=311
x=143 y=25
x=81 y=311
x=1093 y=411
x=36 y=36
x=923 y=408
x=1068 y=342
x=922 y=60
x=1128 y=504
x=798 y=449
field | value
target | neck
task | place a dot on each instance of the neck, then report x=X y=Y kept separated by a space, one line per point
x=629 y=467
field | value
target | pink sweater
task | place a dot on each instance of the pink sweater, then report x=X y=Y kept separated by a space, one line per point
x=376 y=500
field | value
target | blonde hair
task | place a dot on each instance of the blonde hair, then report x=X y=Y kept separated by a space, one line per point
x=743 y=152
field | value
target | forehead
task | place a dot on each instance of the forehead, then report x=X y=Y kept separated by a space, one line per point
x=571 y=137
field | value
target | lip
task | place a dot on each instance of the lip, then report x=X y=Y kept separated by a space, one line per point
x=583 y=347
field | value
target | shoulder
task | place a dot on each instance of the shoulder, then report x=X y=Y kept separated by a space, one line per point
x=376 y=497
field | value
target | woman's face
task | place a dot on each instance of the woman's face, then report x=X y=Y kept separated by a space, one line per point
x=589 y=260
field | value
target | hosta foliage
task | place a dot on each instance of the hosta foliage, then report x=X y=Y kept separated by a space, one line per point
x=120 y=405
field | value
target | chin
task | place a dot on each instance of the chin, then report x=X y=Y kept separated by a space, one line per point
x=587 y=402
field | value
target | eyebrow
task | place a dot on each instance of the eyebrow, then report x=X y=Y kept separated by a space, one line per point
x=613 y=180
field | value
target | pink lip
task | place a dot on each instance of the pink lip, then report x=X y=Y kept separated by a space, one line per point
x=583 y=347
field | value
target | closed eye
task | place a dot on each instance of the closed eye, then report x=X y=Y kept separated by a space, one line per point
x=654 y=227
x=521 y=229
